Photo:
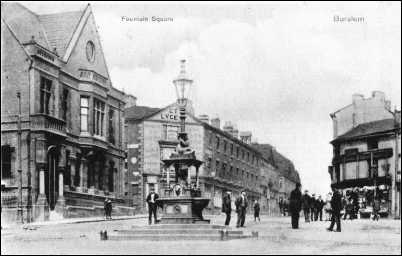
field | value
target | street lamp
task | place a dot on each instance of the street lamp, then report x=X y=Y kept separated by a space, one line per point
x=183 y=87
x=19 y=209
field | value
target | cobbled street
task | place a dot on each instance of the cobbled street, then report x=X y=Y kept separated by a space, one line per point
x=275 y=237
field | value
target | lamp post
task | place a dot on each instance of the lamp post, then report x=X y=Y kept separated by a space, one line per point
x=183 y=85
x=20 y=214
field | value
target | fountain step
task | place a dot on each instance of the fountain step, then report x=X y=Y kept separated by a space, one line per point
x=175 y=231
x=174 y=237
x=182 y=226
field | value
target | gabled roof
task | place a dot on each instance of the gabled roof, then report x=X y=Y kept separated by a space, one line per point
x=59 y=28
x=137 y=113
x=49 y=30
x=368 y=129
x=24 y=23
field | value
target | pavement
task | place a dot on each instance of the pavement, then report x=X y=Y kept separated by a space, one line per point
x=275 y=237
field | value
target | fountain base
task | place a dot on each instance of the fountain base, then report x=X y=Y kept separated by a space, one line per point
x=183 y=210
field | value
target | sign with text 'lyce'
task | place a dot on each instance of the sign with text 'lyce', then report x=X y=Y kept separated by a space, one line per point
x=170 y=114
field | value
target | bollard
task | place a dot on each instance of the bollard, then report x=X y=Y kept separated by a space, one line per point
x=103 y=235
x=222 y=233
x=254 y=234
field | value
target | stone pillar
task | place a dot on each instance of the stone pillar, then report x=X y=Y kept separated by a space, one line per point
x=73 y=171
x=61 y=202
x=41 y=207
x=82 y=172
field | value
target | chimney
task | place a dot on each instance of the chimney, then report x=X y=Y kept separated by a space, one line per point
x=216 y=122
x=130 y=100
x=245 y=137
x=235 y=132
x=204 y=118
x=379 y=95
x=228 y=127
x=356 y=98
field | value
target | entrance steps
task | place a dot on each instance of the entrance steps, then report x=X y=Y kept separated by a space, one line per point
x=171 y=232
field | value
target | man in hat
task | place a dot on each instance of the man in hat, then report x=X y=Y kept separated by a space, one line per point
x=152 y=207
x=227 y=206
x=306 y=206
x=336 y=206
x=241 y=208
x=295 y=205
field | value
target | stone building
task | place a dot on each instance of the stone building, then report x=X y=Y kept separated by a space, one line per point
x=366 y=151
x=71 y=150
x=229 y=163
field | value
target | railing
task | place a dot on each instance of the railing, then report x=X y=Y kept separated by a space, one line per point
x=48 y=123
x=9 y=199
x=93 y=76
x=44 y=54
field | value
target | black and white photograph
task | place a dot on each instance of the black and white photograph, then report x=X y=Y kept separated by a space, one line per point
x=200 y=128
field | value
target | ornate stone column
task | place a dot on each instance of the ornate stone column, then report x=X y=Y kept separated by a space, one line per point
x=72 y=160
x=61 y=202
x=41 y=207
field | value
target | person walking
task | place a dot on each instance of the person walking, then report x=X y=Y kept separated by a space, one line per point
x=227 y=207
x=256 y=211
x=105 y=208
x=336 y=205
x=327 y=207
x=152 y=206
x=281 y=207
x=376 y=208
x=241 y=208
x=295 y=205
x=306 y=206
x=321 y=205
x=312 y=207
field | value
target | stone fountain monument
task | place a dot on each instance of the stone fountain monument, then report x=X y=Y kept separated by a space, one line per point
x=183 y=202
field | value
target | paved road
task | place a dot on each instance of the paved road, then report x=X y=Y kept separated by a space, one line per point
x=275 y=237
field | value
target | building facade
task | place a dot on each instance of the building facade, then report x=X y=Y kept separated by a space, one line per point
x=71 y=153
x=366 y=152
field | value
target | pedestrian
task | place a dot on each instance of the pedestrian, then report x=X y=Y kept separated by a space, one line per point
x=295 y=205
x=321 y=205
x=281 y=206
x=105 y=208
x=285 y=207
x=256 y=211
x=376 y=208
x=152 y=206
x=241 y=208
x=306 y=206
x=227 y=207
x=336 y=206
x=312 y=207
x=327 y=206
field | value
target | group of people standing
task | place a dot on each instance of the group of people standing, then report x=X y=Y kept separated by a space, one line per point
x=241 y=204
x=313 y=207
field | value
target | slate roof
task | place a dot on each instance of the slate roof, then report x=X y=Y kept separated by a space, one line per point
x=59 y=28
x=135 y=113
x=49 y=30
x=24 y=23
x=366 y=129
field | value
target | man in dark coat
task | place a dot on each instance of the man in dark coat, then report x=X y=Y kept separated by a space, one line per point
x=336 y=205
x=306 y=206
x=295 y=205
x=256 y=211
x=241 y=208
x=312 y=207
x=152 y=206
x=227 y=207
x=321 y=205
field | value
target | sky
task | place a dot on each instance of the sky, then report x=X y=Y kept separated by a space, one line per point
x=276 y=69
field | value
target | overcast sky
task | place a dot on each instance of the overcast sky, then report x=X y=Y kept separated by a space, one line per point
x=276 y=69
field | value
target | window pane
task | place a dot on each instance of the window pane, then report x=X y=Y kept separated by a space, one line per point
x=84 y=102
x=84 y=123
